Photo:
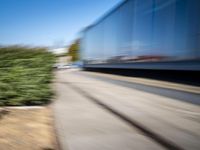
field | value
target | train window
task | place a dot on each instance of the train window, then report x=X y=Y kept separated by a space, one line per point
x=179 y=28
x=89 y=43
x=111 y=34
x=193 y=25
x=164 y=21
x=142 y=28
x=126 y=23
x=99 y=41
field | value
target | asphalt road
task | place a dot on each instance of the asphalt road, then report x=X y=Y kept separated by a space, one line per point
x=98 y=111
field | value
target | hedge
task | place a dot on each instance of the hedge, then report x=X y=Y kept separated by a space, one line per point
x=25 y=76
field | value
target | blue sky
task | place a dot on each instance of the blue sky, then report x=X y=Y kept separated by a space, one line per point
x=47 y=22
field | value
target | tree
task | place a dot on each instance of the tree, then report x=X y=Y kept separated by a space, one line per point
x=74 y=50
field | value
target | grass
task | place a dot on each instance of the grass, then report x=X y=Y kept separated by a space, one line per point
x=25 y=76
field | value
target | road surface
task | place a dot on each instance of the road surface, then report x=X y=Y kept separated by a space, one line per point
x=95 y=111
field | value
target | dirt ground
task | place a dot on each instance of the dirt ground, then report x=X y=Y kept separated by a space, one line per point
x=27 y=128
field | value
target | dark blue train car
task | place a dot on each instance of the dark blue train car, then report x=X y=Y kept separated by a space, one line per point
x=145 y=34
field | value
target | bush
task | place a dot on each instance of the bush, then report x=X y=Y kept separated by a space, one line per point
x=74 y=51
x=25 y=76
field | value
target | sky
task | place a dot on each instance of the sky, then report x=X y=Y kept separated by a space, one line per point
x=52 y=23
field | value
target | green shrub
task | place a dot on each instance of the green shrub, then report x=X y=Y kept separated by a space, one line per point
x=25 y=76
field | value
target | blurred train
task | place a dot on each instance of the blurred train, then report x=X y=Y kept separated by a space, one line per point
x=145 y=34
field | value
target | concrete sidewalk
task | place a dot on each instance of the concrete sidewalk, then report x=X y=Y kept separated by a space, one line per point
x=83 y=125
x=174 y=120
